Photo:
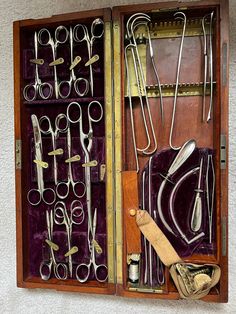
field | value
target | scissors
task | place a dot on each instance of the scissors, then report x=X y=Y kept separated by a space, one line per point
x=49 y=41
x=44 y=90
x=47 y=195
x=86 y=143
x=45 y=269
x=76 y=217
x=77 y=82
x=81 y=34
x=65 y=186
x=45 y=121
x=83 y=270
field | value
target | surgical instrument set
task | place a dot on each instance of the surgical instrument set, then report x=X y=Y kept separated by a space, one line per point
x=63 y=88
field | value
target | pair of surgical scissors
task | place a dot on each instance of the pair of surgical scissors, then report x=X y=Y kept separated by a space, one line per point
x=47 y=195
x=45 y=269
x=65 y=186
x=73 y=79
x=86 y=143
x=76 y=217
x=44 y=90
x=46 y=128
x=83 y=270
x=81 y=34
x=45 y=39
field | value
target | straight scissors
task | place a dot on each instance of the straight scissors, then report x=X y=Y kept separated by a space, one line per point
x=86 y=143
x=45 y=121
x=44 y=90
x=76 y=217
x=47 y=195
x=63 y=188
x=67 y=85
x=45 y=39
x=45 y=269
x=83 y=270
x=81 y=34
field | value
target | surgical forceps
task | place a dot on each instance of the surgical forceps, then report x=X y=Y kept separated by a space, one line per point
x=81 y=33
x=76 y=217
x=83 y=270
x=180 y=16
x=44 y=120
x=210 y=202
x=86 y=140
x=171 y=201
x=73 y=78
x=45 y=269
x=49 y=41
x=76 y=186
x=47 y=195
x=206 y=66
x=130 y=27
x=196 y=219
x=31 y=91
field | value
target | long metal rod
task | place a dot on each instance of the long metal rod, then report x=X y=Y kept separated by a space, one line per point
x=211 y=69
x=150 y=213
x=144 y=239
x=180 y=16
x=210 y=202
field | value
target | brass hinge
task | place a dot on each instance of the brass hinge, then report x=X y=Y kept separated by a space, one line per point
x=146 y=290
x=170 y=9
x=223 y=151
x=18 y=154
x=224 y=239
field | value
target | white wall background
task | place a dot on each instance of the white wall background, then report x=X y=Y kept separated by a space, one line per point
x=15 y=300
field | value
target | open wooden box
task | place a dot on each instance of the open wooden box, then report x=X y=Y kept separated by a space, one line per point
x=121 y=189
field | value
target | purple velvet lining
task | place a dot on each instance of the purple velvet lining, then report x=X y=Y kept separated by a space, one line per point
x=183 y=201
x=37 y=231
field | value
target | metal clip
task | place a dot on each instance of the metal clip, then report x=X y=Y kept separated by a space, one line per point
x=72 y=251
x=55 y=152
x=97 y=247
x=72 y=159
x=92 y=163
x=56 y=62
x=102 y=172
x=75 y=62
x=54 y=246
x=41 y=163
x=37 y=61
x=92 y=60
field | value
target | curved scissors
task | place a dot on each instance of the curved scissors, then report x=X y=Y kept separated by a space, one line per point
x=83 y=270
x=65 y=186
x=54 y=134
x=45 y=269
x=73 y=78
x=81 y=33
x=41 y=192
x=86 y=143
x=49 y=41
x=76 y=217
x=31 y=91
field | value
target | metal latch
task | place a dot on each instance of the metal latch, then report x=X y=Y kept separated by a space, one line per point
x=18 y=154
x=222 y=151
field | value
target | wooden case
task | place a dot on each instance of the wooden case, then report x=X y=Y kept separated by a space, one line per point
x=122 y=185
